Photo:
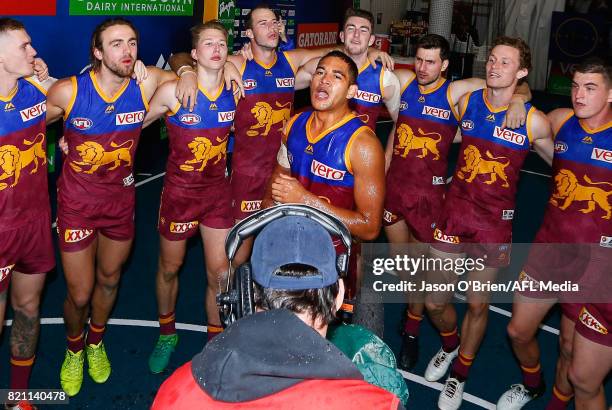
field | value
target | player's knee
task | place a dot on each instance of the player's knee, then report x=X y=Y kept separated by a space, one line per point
x=80 y=300
x=27 y=304
x=169 y=269
x=581 y=381
x=517 y=333
x=565 y=348
x=435 y=308
x=478 y=309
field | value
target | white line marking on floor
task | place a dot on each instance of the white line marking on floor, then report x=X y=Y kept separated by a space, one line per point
x=439 y=386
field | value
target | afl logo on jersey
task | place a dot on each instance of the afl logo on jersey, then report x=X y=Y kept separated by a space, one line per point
x=403 y=105
x=190 y=119
x=467 y=124
x=81 y=123
x=250 y=84
x=560 y=147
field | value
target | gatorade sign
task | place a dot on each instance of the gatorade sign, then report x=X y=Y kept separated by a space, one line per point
x=317 y=35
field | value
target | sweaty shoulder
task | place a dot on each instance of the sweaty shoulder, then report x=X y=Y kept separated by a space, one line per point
x=558 y=117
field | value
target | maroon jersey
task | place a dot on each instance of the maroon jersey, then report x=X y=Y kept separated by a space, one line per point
x=23 y=161
x=262 y=114
x=198 y=141
x=425 y=129
x=102 y=134
x=579 y=209
x=490 y=159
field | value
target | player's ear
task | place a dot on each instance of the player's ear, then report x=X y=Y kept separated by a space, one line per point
x=352 y=91
x=340 y=297
x=342 y=36
x=97 y=53
x=194 y=54
x=371 y=41
x=444 y=65
x=522 y=73
x=249 y=33
x=610 y=95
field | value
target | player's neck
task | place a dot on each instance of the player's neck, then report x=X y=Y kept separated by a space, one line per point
x=323 y=120
x=359 y=59
x=263 y=55
x=7 y=84
x=598 y=120
x=499 y=97
x=210 y=80
x=108 y=81
x=431 y=85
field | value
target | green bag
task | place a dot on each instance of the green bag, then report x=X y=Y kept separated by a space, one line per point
x=372 y=356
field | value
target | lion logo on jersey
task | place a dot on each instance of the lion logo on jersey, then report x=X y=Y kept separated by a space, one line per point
x=13 y=160
x=94 y=155
x=203 y=151
x=407 y=141
x=266 y=117
x=475 y=165
x=568 y=189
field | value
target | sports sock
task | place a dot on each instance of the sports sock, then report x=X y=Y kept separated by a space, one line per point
x=559 y=400
x=412 y=325
x=21 y=367
x=76 y=343
x=167 y=324
x=450 y=340
x=461 y=366
x=532 y=376
x=212 y=331
x=95 y=333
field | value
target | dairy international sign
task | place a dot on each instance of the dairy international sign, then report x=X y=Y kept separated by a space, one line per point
x=131 y=7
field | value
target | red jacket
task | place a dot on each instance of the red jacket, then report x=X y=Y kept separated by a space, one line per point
x=180 y=391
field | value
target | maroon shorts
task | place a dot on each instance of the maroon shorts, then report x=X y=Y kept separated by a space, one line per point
x=180 y=215
x=419 y=211
x=584 y=265
x=27 y=249
x=460 y=230
x=595 y=323
x=247 y=193
x=78 y=223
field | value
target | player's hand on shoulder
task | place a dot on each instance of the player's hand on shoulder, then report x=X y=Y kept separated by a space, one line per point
x=140 y=72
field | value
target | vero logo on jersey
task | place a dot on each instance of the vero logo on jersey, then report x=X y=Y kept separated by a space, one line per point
x=226 y=116
x=285 y=82
x=81 y=123
x=367 y=96
x=33 y=112
x=249 y=84
x=602 y=155
x=190 y=119
x=436 y=112
x=560 y=147
x=510 y=136
x=127 y=118
x=325 y=171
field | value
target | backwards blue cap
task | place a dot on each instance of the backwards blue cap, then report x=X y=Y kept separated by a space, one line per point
x=293 y=239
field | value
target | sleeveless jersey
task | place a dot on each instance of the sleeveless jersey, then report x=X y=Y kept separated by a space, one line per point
x=425 y=129
x=262 y=114
x=23 y=160
x=102 y=134
x=490 y=158
x=198 y=141
x=369 y=97
x=321 y=163
x=579 y=209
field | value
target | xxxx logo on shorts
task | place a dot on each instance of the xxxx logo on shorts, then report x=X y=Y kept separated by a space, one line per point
x=76 y=235
x=442 y=237
x=4 y=272
x=589 y=321
x=182 y=227
x=250 y=206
